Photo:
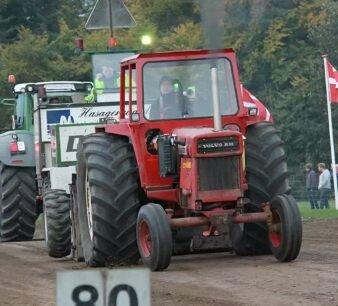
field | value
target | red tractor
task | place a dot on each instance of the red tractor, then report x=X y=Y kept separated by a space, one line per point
x=188 y=168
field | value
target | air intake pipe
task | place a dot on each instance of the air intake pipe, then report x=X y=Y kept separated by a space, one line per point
x=215 y=99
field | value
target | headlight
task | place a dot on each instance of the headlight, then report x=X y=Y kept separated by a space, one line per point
x=232 y=127
x=253 y=111
x=30 y=88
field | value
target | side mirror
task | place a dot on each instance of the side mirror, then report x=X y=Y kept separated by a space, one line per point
x=8 y=102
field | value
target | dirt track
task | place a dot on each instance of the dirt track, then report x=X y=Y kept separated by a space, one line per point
x=27 y=275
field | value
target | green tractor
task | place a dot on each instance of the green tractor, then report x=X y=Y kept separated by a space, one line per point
x=18 y=205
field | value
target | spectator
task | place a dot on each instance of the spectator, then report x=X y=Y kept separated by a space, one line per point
x=324 y=185
x=106 y=80
x=312 y=186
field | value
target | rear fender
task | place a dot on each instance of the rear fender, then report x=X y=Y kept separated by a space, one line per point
x=26 y=159
x=263 y=114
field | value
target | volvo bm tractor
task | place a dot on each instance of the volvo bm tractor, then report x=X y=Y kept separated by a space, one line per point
x=194 y=168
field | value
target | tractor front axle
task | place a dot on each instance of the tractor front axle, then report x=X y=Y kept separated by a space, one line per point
x=220 y=218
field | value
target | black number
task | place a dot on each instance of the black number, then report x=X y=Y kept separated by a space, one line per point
x=85 y=288
x=130 y=291
x=72 y=141
x=133 y=301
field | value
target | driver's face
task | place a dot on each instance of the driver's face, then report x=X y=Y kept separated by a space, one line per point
x=166 y=87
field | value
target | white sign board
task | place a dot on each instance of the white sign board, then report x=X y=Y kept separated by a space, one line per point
x=120 y=287
x=70 y=136
x=87 y=114
x=108 y=97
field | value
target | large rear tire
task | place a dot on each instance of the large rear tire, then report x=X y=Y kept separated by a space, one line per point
x=18 y=210
x=267 y=177
x=57 y=223
x=77 y=251
x=108 y=200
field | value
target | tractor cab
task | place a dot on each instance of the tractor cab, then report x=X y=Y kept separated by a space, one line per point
x=184 y=78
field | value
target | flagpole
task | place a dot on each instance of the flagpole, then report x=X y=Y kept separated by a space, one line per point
x=333 y=157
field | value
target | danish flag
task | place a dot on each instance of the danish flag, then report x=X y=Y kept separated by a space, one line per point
x=333 y=83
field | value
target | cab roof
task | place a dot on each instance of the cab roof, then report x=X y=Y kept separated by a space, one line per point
x=173 y=54
x=59 y=85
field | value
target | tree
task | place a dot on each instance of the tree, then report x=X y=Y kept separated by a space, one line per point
x=164 y=14
x=38 y=15
x=34 y=59
x=186 y=36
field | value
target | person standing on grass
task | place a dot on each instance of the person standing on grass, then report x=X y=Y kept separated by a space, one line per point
x=324 y=185
x=312 y=186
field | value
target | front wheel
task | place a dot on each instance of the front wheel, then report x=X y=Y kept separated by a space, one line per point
x=154 y=238
x=57 y=223
x=285 y=230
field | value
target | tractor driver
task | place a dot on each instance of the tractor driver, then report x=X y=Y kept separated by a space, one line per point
x=168 y=105
x=54 y=100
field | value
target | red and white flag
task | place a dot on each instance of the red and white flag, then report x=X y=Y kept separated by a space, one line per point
x=333 y=82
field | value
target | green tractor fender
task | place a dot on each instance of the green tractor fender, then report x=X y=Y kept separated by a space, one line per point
x=17 y=149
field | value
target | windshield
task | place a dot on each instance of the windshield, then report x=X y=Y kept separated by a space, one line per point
x=78 y=98
x=5 y=117
x=106 y=71
x=182 y=89
x=20 y=110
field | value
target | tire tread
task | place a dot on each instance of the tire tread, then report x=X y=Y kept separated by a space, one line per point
x=18 y=212
x=57 y=206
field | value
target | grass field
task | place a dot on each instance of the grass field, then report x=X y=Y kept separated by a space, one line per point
x=307 y=212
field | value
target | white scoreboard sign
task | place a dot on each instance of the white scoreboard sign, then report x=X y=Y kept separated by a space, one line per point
x=89 y=114
x=118 y=287
x=68 y=138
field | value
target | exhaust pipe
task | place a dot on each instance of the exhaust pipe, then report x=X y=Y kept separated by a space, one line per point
x=215 y=100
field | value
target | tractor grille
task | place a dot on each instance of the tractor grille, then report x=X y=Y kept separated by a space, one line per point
x=218 y=173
